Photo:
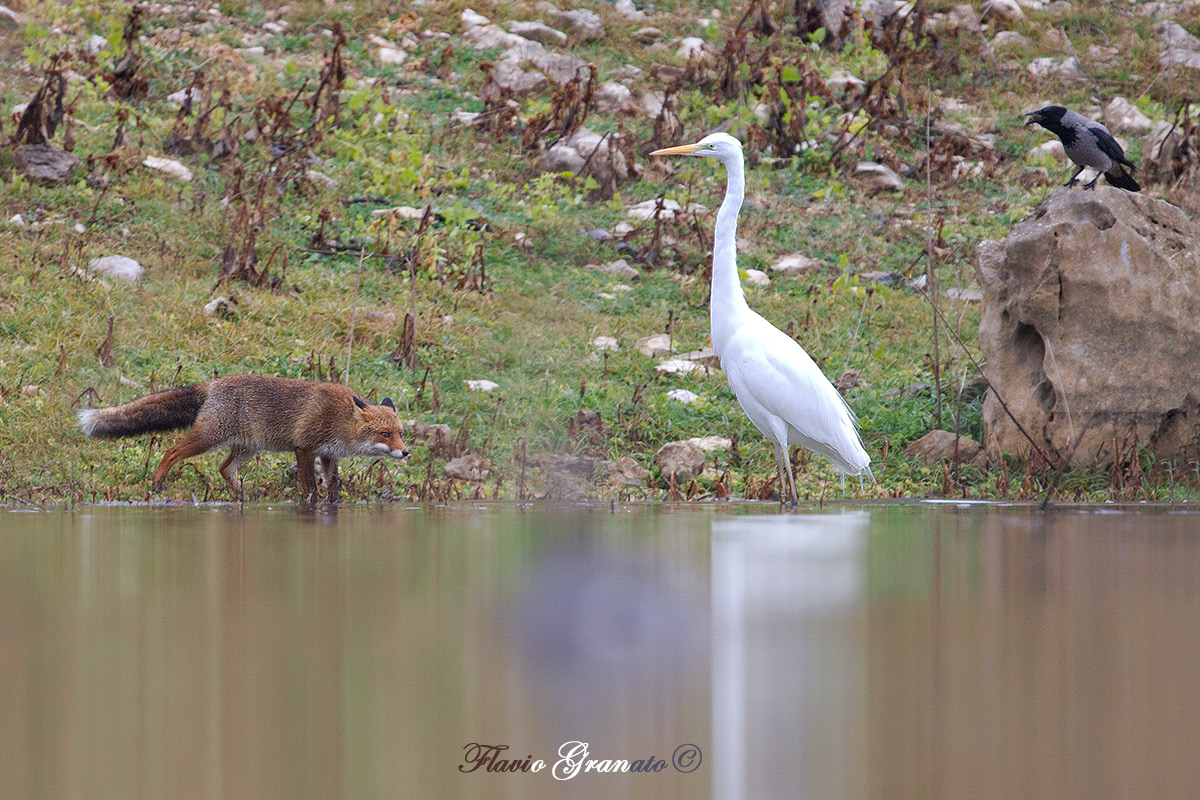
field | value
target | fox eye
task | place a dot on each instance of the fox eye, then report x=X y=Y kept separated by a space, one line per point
x=385 y=435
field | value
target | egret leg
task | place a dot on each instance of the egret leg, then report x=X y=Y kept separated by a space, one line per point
x=784 y=484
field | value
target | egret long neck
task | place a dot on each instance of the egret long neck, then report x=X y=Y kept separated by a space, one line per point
x=727 y=304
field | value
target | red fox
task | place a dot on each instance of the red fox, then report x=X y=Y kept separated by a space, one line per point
x=252 y=413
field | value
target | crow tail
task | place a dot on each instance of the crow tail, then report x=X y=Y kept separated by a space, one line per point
x=1121 y=179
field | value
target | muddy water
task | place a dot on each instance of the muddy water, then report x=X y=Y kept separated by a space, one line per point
x=909 y=651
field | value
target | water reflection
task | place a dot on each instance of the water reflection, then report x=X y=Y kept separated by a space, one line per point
x=893 y=652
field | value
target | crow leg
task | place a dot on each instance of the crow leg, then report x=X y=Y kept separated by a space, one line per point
x=1092 y=183
x=1074 y=178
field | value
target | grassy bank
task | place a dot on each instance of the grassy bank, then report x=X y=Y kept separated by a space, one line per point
x=494 y=278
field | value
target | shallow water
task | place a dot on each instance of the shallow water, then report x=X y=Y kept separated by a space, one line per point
x=910 y=651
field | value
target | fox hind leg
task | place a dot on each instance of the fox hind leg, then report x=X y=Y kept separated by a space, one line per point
x=193 y=444
x=238 y=455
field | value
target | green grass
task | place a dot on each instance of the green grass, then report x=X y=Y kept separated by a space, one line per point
x=531 y=331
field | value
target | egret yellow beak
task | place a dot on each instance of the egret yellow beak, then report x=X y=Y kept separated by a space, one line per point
x=681 y=150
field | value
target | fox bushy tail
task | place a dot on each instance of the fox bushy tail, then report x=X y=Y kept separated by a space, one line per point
x=161 y=411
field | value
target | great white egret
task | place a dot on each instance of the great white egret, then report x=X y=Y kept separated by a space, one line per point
x=782 y=391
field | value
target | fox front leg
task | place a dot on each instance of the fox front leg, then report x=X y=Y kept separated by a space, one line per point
x=307 y=475
x=329 y=468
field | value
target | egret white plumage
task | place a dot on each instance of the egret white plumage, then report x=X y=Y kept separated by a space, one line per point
x=782 y=391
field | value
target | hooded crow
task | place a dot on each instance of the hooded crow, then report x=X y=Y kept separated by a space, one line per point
x=1088 y=144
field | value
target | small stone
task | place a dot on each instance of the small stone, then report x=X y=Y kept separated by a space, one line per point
x=677 y=366
x=797 y=264
x=471 y=19
x=538 y=31
x=44 y=164
x=683 y=459
x=965 y=295
x=620 y=268
x=222 y=307
x=877 y=177
x=690 y=47
x=655 y=345
x=1030 y=177
x=628 y=10
x=647 y=35
x=321 y=178
x=843 y=81
x=1122 y=116
x=391 y=55
x=848 y=380
x=627 y=471
x=705 y=357
x=711 y=443
x=481 y=385
x=912 y=389
x=403 y=212
x=169 y=167
x=95 y=45
x=119 y=268
x=1009 y=39
x=756 y=277
x=274 y=27
x=649 y=208
x=605 y=343
x=1040 y=67
x=470 y=467
x=682 y=396
x=962 y=18
x=1006 y=10
x=1052 y=148
x=180 y=97
x=1070 y=70
x=10 y=18
x=582 y=25
x=31 y=390
x=938 y=445
x=611 y=96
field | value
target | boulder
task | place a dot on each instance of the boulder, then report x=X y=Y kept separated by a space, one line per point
x=684 y=459
x=940 y=446
x=1090 y=314
x=44 y=164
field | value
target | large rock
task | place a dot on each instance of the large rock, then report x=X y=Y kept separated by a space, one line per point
x=939 y=445
x=1090 y=325
x=44 y=163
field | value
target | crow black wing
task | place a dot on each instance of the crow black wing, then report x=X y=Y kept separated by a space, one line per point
x=1108 y=145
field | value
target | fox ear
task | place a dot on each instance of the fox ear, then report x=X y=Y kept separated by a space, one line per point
x=387 y=401
x=358 y=401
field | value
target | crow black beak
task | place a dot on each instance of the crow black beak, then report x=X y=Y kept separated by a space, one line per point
x=1033 y=117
